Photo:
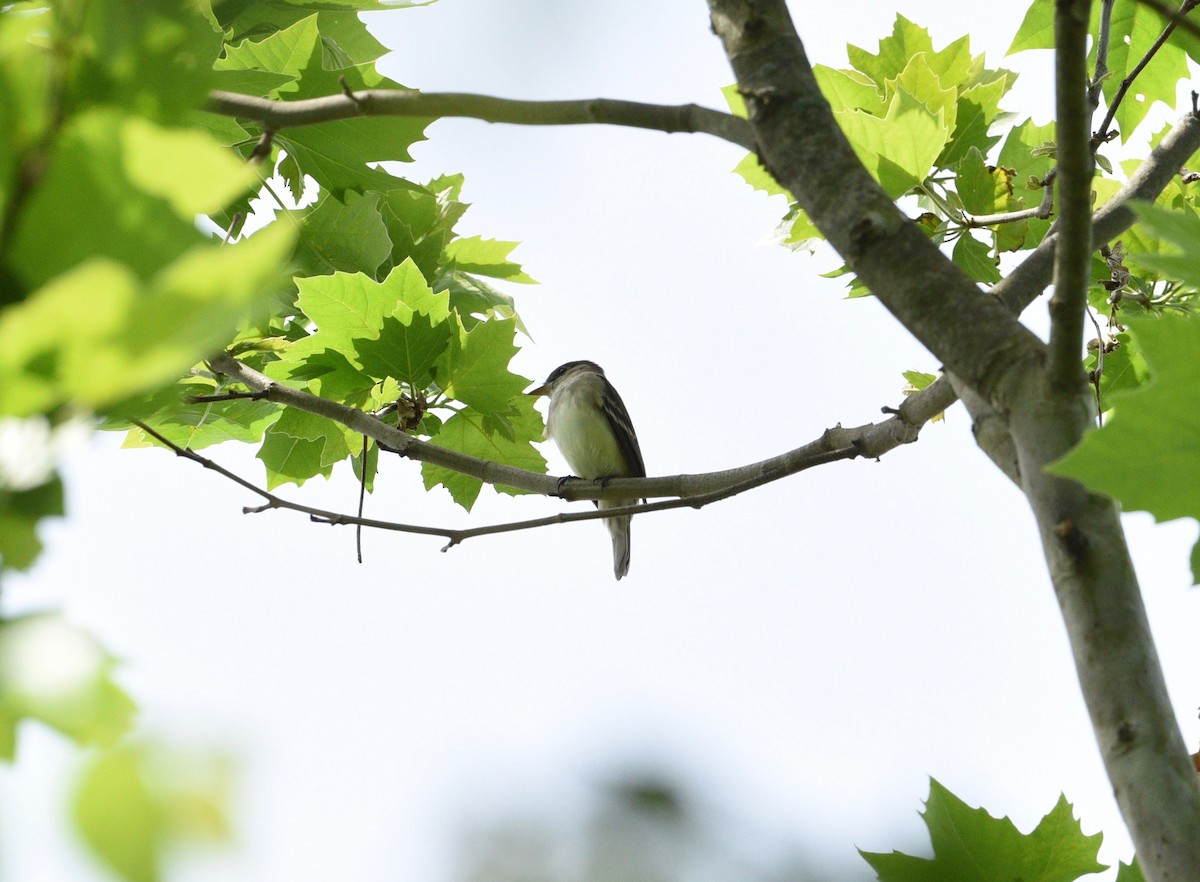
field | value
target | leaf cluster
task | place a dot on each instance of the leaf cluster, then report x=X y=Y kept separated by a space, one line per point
x=310 y=257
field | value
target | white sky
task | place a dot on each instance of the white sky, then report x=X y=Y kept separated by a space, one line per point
x=806 y=654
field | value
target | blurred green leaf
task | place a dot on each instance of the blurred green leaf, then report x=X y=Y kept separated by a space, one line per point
x=59 y=675
x=135 y=802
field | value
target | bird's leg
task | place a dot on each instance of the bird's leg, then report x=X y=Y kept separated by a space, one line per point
x=562 y=482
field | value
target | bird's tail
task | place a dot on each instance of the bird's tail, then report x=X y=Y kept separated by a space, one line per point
x=619 y=528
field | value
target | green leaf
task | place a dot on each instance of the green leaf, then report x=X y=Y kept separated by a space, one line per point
x=21 y=511
x=341 y=25
x=486 y=257
x=191 y=425
x=919 y=380
x=59 y=675
x=969 y=845
x=1135 y=28
x=978 y=107
x=898 y=149
x=156 y=63
x=1131 y=872
x=337 y=153
x=285 y=52
x=1145 y=455
x=136 y=801
x=474 y=300
x=406 y=350
x=343 y=235
x=909 y=40
x=96 y=334
x=923 y=83
x=849 y=90
x=1036 y=30
x=134 y=189
x=468 y=432
x=300 y=446
x=474 y=368
x=1180 y=232
x=976 y=259
x=975 y=184
x=1018 y=150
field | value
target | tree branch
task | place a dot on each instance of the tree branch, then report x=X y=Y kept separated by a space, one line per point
x=1072 y=260
x=276 y=115
x=1088 y=562
x=802 y=146
x=871 y=440
x=1029 y=279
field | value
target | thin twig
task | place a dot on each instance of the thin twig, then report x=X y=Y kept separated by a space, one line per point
x=362 y=495
x=1178 y=17
x=275 y=115
x=226 y=396
x=1174 y=19
x=1102 y=43
x=458 y=536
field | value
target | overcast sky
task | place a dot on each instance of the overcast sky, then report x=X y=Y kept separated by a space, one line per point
x=805 y=655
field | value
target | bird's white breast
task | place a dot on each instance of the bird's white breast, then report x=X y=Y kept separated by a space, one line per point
x=580 y=428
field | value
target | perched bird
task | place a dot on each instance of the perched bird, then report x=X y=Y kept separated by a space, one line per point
x=591 y=427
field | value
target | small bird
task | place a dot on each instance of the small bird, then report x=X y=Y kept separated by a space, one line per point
x=589 y=423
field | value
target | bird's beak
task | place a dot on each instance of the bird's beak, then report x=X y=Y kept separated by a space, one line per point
x=540 y=390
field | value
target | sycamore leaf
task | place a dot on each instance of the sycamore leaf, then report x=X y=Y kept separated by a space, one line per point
x=849 y=90
x=468 y=432
x=1178 y=234
x=299 y=446
x=136 y=801
x=342 y=235
x=922 y=82
x=752 y=172
x=59 y=675
x=337 y=154
x=474 y=368
x=969 y=845
x=1124 y=368
x=21 y=510
x=97 y=334
x=284 y=53
x=1134 y=29
x=406 y=351
x=134 y=189
x=1145 y=455
x=486 y=257
x=907 y=40
x=976 y=259
x=900 y=148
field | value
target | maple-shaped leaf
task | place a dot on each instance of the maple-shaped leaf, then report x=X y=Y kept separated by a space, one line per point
x=1145 y=455
x=349 y=309
x=899 y=148
x=406 y=351
x=471 y=432
x=300 y=446
x=486 y=257
x=969 y=845
x=907 y=41
x=474 y=368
